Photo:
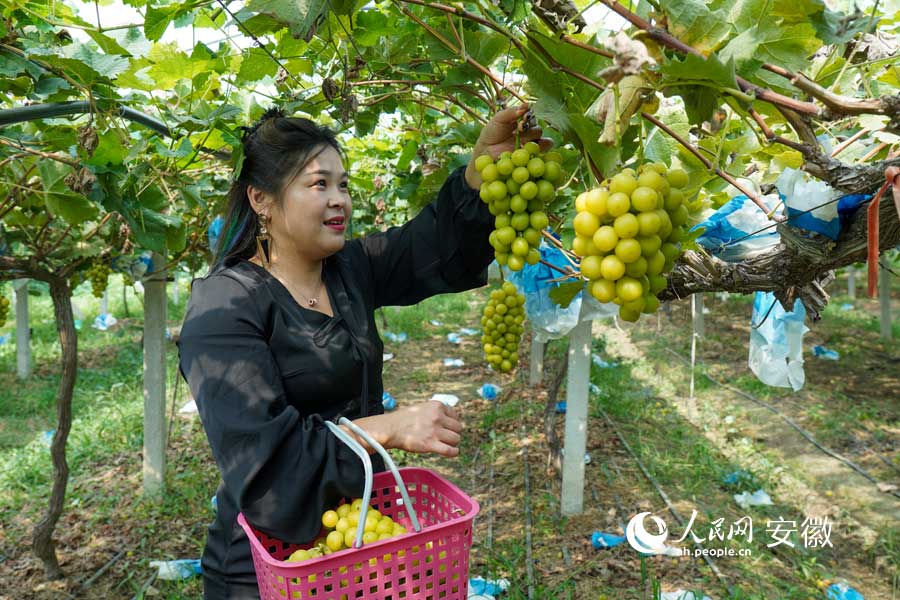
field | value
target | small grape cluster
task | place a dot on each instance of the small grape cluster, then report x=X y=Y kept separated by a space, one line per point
x=628 y=234
x=502 y=327
x=340 y=530
x=517 y=188
x=4 y=310
x=98 y=273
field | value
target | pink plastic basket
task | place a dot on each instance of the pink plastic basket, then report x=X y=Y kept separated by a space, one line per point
x=430 y=564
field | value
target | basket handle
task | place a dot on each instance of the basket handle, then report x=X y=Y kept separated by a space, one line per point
x=367 y=466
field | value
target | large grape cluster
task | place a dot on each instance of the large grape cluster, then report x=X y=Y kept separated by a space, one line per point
x=502 y=326
x=628 y=234
x=517 y=188
x=98 y=273
x=4 y=310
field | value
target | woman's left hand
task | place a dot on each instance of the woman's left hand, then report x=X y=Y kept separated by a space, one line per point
x=499 y=135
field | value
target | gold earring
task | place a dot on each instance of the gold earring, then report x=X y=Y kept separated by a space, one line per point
x=263 y=241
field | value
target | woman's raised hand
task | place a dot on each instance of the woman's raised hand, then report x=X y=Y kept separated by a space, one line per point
x=499 y=135
x=427 y=427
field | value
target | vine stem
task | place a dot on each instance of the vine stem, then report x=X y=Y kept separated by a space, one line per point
x=394 y=81
x=435 y=108
x=558 y=67
x=468 y=110
x=670 y=41
x=709 y=165
x=99 y=225
x=455 y=50
x=57 y=157
x=871 y=154
x=849 y=141
x=572 y=41
x=53 y=248
x=568 y=254
x=770 y=135
x=556 y=268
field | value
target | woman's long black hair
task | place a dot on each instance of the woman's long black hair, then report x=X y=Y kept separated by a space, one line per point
x=276 y=150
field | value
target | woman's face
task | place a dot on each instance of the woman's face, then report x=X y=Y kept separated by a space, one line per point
x=315 y=210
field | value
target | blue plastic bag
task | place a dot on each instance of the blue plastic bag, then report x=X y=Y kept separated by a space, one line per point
x=727 y=232
x=213 y=232
x=776 y=342
x=601 y=539
x=842 y=591
x=548 y=319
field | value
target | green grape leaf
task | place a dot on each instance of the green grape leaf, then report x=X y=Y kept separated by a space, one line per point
x=564 y=293
x=789 y=46
x=694 y=23
x=255 y=65
x=699 y=70
x=371 y=28
x=73 y=208
x=60 y=201
x=81 y=62
x=171 y=65
x=298 y=15
x=157 y=20
x=406 y=156
x=110 y=150
x=176 y=238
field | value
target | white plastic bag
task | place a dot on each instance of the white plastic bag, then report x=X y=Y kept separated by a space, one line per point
x=803 y=193
x=776 y=342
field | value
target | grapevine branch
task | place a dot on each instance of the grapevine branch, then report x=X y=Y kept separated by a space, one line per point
x=727 y=177
x=837 y=104
x=668 y=40
x=797 y=267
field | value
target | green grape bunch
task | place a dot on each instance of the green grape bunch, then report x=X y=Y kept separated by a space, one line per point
x=501 y=324
x=4 y=310
x=516 y=189
x=628 y=233
x=98 y=274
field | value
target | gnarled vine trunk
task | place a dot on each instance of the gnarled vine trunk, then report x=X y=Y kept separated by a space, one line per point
x=798 y=267
x=42 y=541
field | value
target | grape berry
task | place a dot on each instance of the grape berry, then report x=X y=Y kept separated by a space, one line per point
x=502 y=328
x=628 y=234
x=516 y=189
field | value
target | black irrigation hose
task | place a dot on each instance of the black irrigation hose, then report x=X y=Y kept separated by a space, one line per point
x=665 y=498
x=806 y=434
x=33 y=112
x=75 y=107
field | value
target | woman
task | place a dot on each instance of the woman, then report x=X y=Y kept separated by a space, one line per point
x=280 y=335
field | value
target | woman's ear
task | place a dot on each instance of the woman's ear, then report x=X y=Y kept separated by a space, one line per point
x=259 y=200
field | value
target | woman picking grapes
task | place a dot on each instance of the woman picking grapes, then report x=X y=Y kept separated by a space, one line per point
x=280 y=335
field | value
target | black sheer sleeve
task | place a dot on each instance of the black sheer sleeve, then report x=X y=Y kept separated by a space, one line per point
x=282 y=470
x=442 y=249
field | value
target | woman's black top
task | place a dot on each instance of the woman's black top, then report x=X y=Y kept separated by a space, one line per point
x=266 y=372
